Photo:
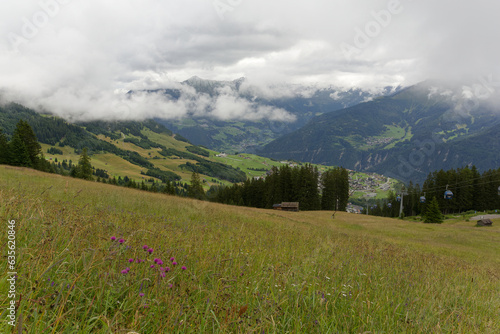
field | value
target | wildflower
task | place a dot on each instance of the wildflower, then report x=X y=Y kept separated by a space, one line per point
x=150 y=250
x=184 y=268
x=113 y=238
x=162 y=274
x=121 y=241
x=174 y=263
x=145 y=247
x=152 y=266
x=141 y=294
x=170 y=285
x=124 y=271
x=167 y=269
x=138 y=260
x=160 y=262
x=130 y=260
x=172 y=259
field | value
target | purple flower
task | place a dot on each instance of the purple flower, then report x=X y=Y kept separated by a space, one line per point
x=174 y=263
x=183 y=268
x=160 y=262
x=167 y=269
x=172 y=259
x=152 y=266
x=124 y=271
x=113 y=238
x=121 y=241
x=141 y=295
x=170 y=285
x=162 y=274
x=130 y=260
x=145 y=247
x=150 y=250
x=138 y=261
x=162 y=269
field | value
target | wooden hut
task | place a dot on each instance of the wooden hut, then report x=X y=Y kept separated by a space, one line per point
x=290 y=206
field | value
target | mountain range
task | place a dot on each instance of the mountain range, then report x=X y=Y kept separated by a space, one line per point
x=406 y=135
x=403 y=133
x=301 y=102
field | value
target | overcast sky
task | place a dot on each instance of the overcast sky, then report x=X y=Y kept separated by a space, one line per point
x=76 y=58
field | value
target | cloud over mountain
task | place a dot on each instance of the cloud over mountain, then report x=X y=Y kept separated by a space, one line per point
x=80 y=58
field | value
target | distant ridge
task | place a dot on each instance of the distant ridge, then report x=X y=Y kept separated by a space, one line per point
x=405 y=135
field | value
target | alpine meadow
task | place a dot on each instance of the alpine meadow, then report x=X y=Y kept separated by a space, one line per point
x=249 y=167
x=208 y=267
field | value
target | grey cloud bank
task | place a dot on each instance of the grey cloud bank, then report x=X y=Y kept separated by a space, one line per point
x=78 y=59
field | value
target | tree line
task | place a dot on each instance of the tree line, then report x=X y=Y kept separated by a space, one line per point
x=472 y=191
x=304 y=184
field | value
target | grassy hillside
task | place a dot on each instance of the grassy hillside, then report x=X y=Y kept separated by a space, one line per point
x=239 y=269
x=128 y=148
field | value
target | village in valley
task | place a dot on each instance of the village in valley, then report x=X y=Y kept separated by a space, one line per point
x=365 y=186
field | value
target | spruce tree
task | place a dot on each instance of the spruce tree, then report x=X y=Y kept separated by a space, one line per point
x=84 y=169
x=195 y=190
x=4 y=148
x=18 y=154
x=433 y=213
x=28 y=137
x=328 y=194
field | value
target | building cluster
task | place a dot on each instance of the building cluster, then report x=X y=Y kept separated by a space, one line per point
x=351 y=208
x=369 y=183
x=379 y=141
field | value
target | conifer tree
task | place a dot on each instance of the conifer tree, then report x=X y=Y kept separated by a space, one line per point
x=84 y=169
x=18 y=154
x=195 y=190
x=4 y=148
x=28 y=137
x=433 y=213
x=328 y=194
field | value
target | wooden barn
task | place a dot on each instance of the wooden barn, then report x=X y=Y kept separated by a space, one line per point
x=290 y=206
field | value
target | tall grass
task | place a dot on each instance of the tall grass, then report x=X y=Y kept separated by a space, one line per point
x=246 y=270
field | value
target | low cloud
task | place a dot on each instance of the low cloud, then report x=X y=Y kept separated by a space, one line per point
x=79 y=59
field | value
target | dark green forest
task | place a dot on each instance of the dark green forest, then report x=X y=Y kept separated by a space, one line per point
x=472 y=191
x=303 y=184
